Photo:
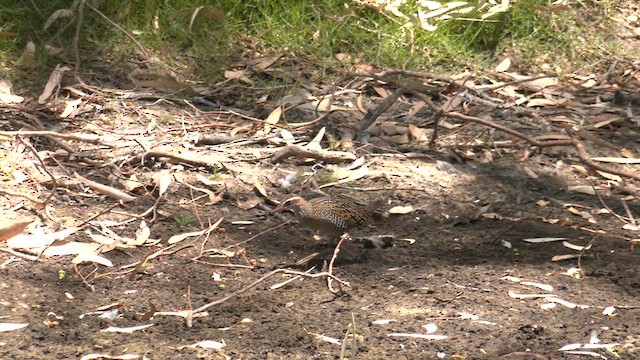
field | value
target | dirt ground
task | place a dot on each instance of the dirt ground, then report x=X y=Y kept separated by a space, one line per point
x=453 y=280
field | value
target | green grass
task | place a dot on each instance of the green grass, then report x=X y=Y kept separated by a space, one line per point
x=309 y=33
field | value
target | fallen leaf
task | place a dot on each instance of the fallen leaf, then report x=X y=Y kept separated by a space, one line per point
x=126 y=330
x=504 y=65
x=401 y=209
x=9 y=230
x=4 y=327
x=53 y=83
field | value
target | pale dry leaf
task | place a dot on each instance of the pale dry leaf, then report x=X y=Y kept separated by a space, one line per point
x=616 y=160
x=11 y=229
x=415 y=109
x=257 y=186
x=95 y=258
x=582 y=189
x=53 y=83
x=142 y=234
x=104 y=189
x=102 y=240
x=564 y=257
x=326 y=338
x=287 y=136
x=542 y=203
x=272 y=119
x=126 y=330
x=6 y=93
x=38 y=240
x=419 y=134
x=71 y=109
x=4 y=327
x=315 y=143
x=575 y=247
x=544 y=239
x=164 y=180
x=132 y=183
x=180 y=237
x=401 y=209
x=553 y=299
x=545 y=287
x=609 y=176
x=542 y=102
x=626 y=153
x=504 y=65
x=71 y=248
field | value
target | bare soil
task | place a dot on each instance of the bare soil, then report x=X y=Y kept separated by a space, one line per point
x=452 y=279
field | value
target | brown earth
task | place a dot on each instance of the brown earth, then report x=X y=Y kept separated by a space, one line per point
x=452 y=277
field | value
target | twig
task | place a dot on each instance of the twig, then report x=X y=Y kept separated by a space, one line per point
x=76 y=36
x=94 y=139
x=586 y=159
x=191 y=313
x=336 y=250
x=19 y=254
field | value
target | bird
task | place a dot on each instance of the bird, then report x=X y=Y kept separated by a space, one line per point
x=332 y=216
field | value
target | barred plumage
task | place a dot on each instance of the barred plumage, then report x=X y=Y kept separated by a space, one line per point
x=332 y=217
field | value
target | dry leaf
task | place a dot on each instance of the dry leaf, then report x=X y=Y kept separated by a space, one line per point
x=626 y=153
x=53 y=83
x=273 y=118
x=401 y=209
x=180 y=237
x=543 y=240
x=504 y=65
x=264 y=63
x=241 y=75
x=583 y=189
x=142 y=234
x=381 y=92
x=104 y=189
x=9 y=230
x=315 y=143
x=249 y=203
x=38 y=240
x=4 y=327
x=87 y=257
x=617 y=160
x=127 y=330
x=164 y=180
x=71 y=109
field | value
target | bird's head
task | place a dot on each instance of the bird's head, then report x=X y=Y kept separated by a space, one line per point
x=292 y=203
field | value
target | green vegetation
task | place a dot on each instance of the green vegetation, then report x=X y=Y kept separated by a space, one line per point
x=536 y=36
x=183 y=218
